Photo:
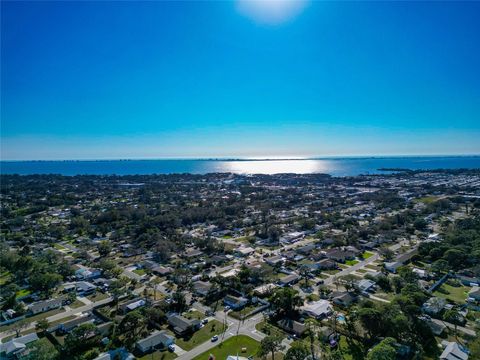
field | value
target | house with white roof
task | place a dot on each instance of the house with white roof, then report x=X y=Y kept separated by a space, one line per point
x=16 y=346
x=317 y=309
x=453 y=351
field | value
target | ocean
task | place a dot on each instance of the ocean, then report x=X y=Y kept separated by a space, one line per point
x=333 y=166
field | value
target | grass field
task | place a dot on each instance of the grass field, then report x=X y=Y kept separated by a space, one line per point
x=367 y=254
x=22 y=293
x=456 y=294
x=76 y=304
x=351 y=262
x=270 y=329
x=213 y=327
x=97 y=296
x=232 y=346
x=139 y=272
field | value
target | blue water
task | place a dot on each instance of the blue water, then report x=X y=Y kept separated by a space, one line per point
x=332 y=166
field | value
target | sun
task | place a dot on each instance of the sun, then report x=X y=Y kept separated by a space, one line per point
x=272 y=12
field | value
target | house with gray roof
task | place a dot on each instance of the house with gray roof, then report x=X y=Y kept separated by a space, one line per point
x=16 y=346
x=157 y=340
x=46 y=305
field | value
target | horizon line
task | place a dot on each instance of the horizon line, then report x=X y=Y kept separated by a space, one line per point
x=229 y=158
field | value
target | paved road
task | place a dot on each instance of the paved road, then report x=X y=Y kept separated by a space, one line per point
x=234 y=327
x=62 y=315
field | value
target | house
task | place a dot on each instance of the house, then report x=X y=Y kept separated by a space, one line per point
x=42 y=306
x=365 y=285
x=274 y=260
x=421 y=273
x=157 y=340
x=235 y=303
x=85 y=288
x=317 y=309
x=162 y=270
x=343 y=299
x=434 y=306
x=474 y=293
x=306 y=250
x=244 y=251
x=327 y=264
x=469 y=280
x=201 y=287
x=132 y=305
x=437 y=328
x=292 y=326
x=340 y=255
x=116 y=354
x=192 y=254
x=68 y=326
x=453 y=351
x=289 y=280
x=236 y=357
x=392 y=266
x=266 y=289
x=182 y=326
x=85 y=273
x=15 y=347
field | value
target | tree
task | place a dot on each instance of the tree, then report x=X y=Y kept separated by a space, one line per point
x=285 y=301
x=44 y=282
x=348 y=281
x=132 y=326
x=42 y=325
x=270 y=345
x=81 y=339
x=19 y=326
x=104 y=248
x=179 y=303
x=383 y=350
x=452 y=316
x=297 y=352
x=304 y=273
x=41 y=350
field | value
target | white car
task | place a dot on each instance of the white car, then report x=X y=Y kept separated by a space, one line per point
x=214 y=338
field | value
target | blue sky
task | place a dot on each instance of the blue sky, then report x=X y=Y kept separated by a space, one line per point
x=246 y=78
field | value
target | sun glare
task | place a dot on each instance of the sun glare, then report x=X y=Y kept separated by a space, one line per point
x=271 y=12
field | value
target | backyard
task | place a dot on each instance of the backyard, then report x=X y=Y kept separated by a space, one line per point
x=456 y=294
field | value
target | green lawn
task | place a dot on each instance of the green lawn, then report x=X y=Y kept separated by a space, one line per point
x=232 y=346
x=367 y=254
x=76 y=304
x=194 y=315
x=59 y=247
x=245 y=311
x=159 y=355
x=23 y=292
x=213 y=327
x=139 y=271
x=427 y=199
x=97 y=296
x=455 y=294
x=270 y=329
x=4 y=278
x=351 y=262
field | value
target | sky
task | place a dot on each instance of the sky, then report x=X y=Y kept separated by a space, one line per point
x=271 y=78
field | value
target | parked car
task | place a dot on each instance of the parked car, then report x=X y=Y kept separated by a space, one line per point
x=214 y=338
x=227 y=308
x=204 y=321
x=171 y=348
